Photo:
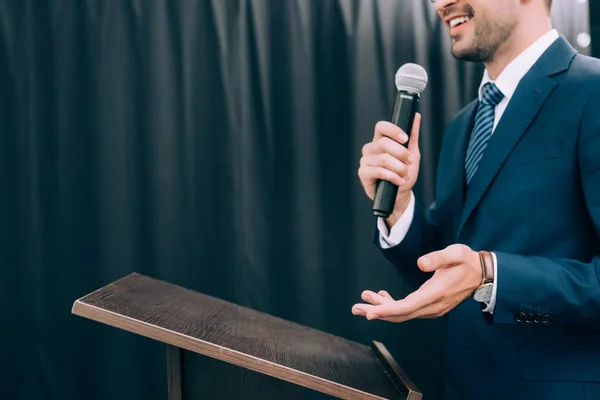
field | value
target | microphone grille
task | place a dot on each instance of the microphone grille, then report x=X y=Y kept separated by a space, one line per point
x=412 y=78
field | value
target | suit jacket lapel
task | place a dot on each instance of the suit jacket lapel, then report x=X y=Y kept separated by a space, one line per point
x=525 y=104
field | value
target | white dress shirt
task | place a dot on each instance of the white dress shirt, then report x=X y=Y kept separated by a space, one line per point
x=507 y=83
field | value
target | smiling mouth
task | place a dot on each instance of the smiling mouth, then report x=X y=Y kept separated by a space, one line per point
x=454 y=22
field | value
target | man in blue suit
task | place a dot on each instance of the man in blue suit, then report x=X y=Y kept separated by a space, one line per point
x=510 y=250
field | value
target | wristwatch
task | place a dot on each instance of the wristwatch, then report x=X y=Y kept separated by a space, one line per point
x=483 y=293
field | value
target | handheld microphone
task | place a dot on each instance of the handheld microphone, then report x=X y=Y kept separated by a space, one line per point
x=411 y=80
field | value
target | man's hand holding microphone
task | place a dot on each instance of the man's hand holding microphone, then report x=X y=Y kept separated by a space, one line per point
x=386 y=158
x=389 y=168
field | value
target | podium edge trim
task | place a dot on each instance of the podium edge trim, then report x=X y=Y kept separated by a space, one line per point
x=396 y=372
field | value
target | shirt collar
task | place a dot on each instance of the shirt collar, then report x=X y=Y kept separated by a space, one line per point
x=509 y=78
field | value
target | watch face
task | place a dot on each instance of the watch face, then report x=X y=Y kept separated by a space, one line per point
x=484 y=293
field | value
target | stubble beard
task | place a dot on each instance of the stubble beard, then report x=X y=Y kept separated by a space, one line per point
x=488 y=38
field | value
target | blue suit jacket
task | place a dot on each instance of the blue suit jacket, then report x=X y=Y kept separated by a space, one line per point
x=535 y=202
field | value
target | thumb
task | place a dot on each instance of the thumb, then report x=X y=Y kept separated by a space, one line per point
x=413 y=143
x=430 y=262
x=451 y=255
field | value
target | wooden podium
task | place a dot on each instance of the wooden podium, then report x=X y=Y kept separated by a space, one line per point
x=271 y=358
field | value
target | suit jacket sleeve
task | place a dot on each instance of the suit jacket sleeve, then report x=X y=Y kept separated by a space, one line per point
x=558 y=291
x=419 y=240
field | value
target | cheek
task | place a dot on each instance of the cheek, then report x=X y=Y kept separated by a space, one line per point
x=485 y=29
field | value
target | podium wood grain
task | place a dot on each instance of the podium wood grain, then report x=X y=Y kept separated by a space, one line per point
x=247 y=338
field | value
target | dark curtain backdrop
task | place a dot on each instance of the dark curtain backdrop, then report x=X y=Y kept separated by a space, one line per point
x=212 y=144
x=595 y=27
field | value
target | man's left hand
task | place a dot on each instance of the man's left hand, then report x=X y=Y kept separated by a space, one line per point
x=457 y=274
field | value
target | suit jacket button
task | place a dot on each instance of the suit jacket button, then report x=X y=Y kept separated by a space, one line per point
x=546 y=319
x=520 y=317
x=529 y=318
x=538 y=318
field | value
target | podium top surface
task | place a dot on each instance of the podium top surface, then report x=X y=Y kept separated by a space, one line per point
x=247 y=338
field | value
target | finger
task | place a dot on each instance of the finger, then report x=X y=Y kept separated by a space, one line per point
x=424 y=297
x=361 y=309
x=394 y=132
x=386 y=161
x=373 y=298
x=358 y=310
x=372 y=174
x=413 y=144
x=383 y=293
x=389 y=146
x=451 y=255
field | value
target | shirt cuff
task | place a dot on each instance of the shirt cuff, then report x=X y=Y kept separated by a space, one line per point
x=389 y=239
x=492 y=303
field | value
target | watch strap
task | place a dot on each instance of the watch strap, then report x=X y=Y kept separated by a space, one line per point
x=483 y=293
x=487 y=266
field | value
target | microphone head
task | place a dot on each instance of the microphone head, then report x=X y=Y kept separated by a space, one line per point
x=412 y=78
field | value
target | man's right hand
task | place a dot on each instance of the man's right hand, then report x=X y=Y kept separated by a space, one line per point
x=387 y=159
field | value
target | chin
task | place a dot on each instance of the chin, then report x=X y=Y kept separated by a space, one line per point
x=464 y=53
x=458 y=50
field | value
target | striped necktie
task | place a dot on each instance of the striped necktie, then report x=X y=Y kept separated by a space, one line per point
x=484 y=122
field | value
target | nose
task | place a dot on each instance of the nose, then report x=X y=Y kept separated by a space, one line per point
x=440 y=5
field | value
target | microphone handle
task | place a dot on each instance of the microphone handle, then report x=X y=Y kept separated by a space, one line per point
x=403 y=115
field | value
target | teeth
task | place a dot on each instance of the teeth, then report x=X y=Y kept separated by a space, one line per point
x=457 y=21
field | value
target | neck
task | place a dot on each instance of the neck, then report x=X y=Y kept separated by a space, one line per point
x=520 y=40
